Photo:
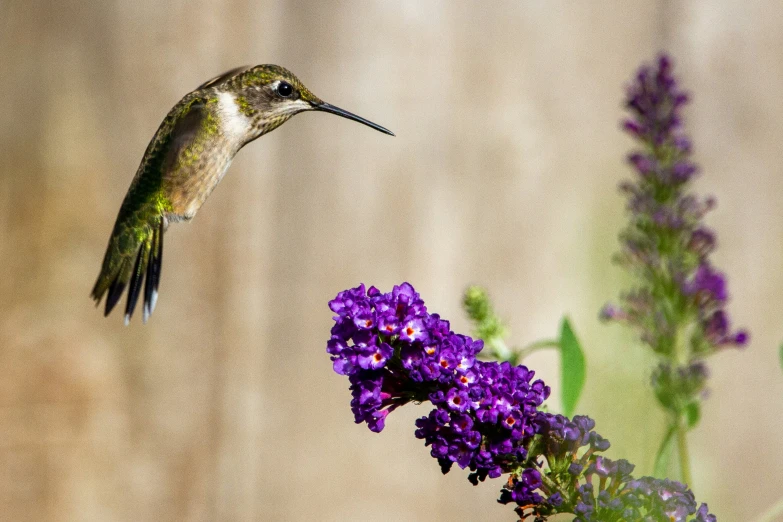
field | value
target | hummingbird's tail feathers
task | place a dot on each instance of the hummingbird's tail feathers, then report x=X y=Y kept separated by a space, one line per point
x=137 y=278
x=154 y=263
x=132 y=258
x=117 y=287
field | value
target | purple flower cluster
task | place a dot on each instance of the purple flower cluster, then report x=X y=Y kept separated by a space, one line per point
x=666 y=242
x=394 y=352
x=486 y=415
x=678 y=305
x=483 y=421
x=591 y=486
x=620 y=497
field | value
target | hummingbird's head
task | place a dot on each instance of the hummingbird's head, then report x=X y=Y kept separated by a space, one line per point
x=272 y=94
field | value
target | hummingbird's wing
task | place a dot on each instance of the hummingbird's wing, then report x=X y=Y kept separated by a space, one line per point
x=223 y=77
x=156 y=195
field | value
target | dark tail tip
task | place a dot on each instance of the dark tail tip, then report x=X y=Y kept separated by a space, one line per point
x=115 y=292
x=153 y=273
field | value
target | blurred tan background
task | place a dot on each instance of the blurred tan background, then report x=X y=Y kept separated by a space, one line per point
x=503 y=172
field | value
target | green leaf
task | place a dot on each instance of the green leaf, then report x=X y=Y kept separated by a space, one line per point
x=664 y=453
x=572 y=368
x=692 y=414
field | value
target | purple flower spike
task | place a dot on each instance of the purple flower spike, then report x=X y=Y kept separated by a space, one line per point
x=666 y=241
x=678 y=303
x=394 y=352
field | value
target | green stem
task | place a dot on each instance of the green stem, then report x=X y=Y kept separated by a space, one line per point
x=682 y=449
x=536 y=346
x=502 y=352
x=682 y=357
x=554 y=486
x=664 y=451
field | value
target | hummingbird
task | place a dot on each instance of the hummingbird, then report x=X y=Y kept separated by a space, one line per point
x=186 y=159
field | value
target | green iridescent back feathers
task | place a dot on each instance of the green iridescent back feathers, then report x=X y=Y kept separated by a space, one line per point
x=136 y=243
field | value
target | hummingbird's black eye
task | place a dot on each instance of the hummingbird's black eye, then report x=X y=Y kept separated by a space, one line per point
x=284 y=89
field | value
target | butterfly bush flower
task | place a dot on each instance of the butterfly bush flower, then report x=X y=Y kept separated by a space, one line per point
x=678 y=303
x=486 y=415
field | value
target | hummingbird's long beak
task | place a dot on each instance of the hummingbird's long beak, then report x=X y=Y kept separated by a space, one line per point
x=328 y=107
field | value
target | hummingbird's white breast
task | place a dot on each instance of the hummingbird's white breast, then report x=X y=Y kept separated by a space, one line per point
x=233 y=123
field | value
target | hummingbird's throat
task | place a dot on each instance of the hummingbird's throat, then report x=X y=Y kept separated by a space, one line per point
x=234 y=123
